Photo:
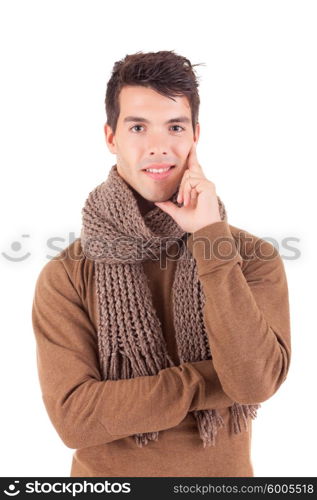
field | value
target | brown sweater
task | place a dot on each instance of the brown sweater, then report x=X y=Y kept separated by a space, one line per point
x=247 y=317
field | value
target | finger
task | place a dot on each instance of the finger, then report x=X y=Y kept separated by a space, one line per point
x=169 y=207
x=195 y=170
x=193 y=194
x=180 y=197
x=192 y=162
x=186 y=194
x=188 y=187
x=193 y=181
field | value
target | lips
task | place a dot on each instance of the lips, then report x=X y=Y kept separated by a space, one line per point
x=159 y=166
x=159 y=175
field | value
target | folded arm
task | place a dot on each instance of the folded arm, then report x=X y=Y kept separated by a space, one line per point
x=86 y=410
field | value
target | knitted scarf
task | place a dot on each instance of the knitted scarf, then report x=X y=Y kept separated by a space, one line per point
x=130 y=340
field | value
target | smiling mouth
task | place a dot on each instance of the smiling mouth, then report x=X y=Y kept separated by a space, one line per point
x=159 y=173
x=158 y=170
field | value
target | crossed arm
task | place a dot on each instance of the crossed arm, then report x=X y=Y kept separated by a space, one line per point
x=248 y=331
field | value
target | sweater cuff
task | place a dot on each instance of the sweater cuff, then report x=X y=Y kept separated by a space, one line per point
x=213 y=246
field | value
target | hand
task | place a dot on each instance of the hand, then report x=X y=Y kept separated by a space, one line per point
x=198 y=194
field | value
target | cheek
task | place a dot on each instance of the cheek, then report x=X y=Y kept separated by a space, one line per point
x=183 y=149
x=133 y=144
x=130 y=149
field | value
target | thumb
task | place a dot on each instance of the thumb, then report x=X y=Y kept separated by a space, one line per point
x=169 y=207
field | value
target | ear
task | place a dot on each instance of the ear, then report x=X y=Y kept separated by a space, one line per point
x=197 y=132
x=110 y=138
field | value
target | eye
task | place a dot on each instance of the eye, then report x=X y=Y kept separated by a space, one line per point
x=178 y=127
x=136 y=126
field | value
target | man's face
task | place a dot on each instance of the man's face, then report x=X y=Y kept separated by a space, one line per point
x=146 y=135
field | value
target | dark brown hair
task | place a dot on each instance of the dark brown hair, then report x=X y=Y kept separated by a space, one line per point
x=165 y=71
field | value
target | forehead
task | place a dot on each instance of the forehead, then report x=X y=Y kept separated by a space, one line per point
x=143 y=101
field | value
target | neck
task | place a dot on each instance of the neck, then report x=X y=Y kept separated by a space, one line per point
x=143 y=204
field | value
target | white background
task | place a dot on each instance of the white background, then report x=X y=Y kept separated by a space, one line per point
x=258 y=145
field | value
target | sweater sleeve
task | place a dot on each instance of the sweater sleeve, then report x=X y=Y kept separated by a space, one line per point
x=86 y=410
x=246 y=311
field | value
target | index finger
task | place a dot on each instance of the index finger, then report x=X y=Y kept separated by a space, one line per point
x=192 y=161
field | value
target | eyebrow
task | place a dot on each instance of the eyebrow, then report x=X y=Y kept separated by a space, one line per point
x=178 y=119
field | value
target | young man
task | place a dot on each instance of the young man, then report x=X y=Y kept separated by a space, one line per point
x=162 y=328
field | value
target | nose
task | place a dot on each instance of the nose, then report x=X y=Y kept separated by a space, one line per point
x=156 y=145
x=157 y=150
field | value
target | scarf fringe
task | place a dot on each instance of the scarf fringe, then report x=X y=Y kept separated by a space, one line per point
x=209 y=422
x=244 y=411
x=143 y=439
